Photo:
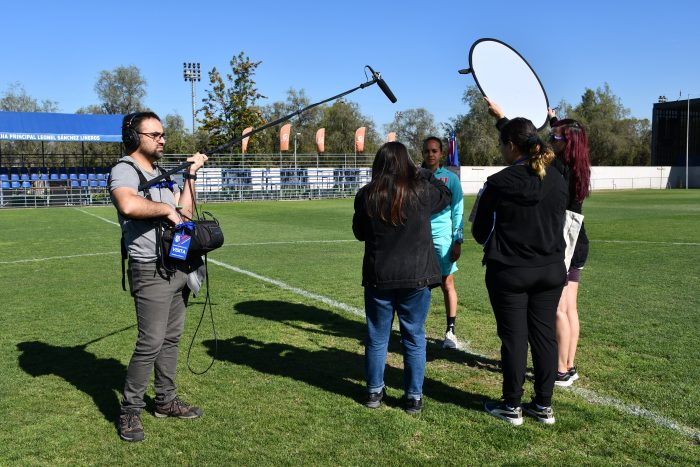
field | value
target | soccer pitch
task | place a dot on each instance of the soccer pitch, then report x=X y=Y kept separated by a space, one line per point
x=288 y=382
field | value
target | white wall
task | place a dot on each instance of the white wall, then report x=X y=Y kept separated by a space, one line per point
x=602 y=178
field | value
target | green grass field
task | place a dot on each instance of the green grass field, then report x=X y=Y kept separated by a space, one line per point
x=288 y=384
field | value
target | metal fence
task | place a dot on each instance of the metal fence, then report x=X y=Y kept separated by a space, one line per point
x=225 y=178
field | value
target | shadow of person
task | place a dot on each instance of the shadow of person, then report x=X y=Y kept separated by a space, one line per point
x=318 y=320
x=96 y=377
x=462 y=356
x=330 y=369
x=314 y=319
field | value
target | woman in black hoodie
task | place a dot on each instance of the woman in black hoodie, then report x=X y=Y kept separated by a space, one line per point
x=392 y=217
x=519 y=220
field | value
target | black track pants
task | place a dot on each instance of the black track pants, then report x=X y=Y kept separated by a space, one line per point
x=524 y=301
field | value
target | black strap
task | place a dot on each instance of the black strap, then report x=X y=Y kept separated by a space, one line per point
x=146 y=194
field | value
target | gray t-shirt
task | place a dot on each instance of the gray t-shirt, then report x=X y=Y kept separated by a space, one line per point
x=139 y=235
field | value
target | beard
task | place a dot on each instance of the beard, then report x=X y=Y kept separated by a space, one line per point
x=154 y=155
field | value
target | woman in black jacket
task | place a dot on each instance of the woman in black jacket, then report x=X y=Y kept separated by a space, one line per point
x=392 y=217
x=519 y=220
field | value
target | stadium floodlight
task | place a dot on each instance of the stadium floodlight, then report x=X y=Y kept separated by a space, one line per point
x=191 y=71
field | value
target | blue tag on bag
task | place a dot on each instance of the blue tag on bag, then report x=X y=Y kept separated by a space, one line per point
x=180 y=246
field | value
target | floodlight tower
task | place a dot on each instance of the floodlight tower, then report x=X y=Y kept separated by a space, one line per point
x=192 y=72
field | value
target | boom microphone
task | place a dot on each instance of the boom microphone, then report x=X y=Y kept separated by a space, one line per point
x=382 y=85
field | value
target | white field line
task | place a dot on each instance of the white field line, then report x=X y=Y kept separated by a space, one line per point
x=646 y=242
x=292 y=242
x=35 y=260
x=99 y=217
x=593 y=397
x=586 y=394
x=348 y=241
x=290 y=288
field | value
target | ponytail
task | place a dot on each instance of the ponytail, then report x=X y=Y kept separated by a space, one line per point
x=540 y=154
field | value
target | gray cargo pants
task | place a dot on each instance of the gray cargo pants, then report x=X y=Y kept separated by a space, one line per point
x=160 y=315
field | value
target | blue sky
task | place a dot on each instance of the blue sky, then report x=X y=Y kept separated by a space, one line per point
x=56 y=50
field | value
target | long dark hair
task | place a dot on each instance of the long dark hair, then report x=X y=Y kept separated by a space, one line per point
x=575 y=155
x=523 y=134
x=393 y=185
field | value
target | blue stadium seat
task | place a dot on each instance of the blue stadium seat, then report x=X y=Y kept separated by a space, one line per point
x=84 y=183
x=5 y=185
x=63 y=176
x=26 y=184
x=82 y=176
x=14 y=177
x=44 y=176
x=73 y=176
x=102 y=183
x=53 y=176
x=15 y=185
x=4 y=177
x=93 y=183
x=92 y=176
x=24 y=177
x=34 y=176
x=101 y=176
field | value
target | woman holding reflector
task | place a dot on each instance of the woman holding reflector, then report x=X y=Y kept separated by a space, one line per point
x=570 y=143
x=392 y=217
x=519 y=220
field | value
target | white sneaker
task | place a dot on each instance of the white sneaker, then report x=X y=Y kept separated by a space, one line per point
x=451 y=341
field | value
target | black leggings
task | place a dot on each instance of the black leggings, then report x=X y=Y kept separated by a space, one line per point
x=524 y=301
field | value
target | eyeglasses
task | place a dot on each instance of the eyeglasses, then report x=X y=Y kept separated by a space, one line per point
x=154 y=136
x=556 y=137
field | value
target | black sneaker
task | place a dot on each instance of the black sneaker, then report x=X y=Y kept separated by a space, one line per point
x=374 y=399
x=545 y=415
x=572 y=372
x=177 y=408
x=563 y=379
x=413 y=406
x=130 y=426
x=513 y=415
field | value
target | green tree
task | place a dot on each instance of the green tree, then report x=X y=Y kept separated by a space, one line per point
x=91 y=109
x=16 y=99
x=614 y=138
x=340 y=120
x=412 y=126
x=120 y=91
x=477 y=137
x=305 y=124
x=229 y=109
x=179 y=140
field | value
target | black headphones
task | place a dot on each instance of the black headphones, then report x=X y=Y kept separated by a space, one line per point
x=130 y=137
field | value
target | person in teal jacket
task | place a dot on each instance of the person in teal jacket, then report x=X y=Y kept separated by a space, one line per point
x=447 y=227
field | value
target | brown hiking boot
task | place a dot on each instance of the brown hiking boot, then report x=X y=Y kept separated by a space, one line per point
x=130 y=427
x=177 y=408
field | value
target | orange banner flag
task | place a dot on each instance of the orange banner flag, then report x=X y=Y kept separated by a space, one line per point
x=391 y=137
x=284 y=136
x=321 y=140
x=360 y=139
x=244 y=143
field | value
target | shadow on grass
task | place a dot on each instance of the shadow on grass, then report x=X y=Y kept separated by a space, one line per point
x=462 y=357
x=99 y=378
x=330 y=369
x=333 y=324
x=304 y=318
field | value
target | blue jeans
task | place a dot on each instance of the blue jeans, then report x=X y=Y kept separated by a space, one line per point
x=411 y=306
